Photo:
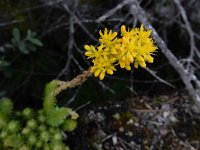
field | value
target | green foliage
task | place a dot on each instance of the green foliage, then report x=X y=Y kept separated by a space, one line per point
x=14 y=141
x=36 y=129
x=13 y=126
x=27 y=44
x=15 y=65
x=49 y=97
x=24 y=44
x=27 y=113
x=6 y=106
x=57 y=116
x=69 y=125
x=3 y=120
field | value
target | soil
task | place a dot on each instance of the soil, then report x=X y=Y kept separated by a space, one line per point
x=165 y=122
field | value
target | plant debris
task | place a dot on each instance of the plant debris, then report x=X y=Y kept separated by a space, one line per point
x=159 y=123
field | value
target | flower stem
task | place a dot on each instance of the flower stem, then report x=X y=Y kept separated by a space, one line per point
x=78 y=80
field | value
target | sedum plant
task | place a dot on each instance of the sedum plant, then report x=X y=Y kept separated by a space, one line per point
x=134 y=46
x=27 y=44
x=43 y=129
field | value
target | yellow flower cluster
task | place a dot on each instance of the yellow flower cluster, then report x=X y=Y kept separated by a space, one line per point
x=135 y=46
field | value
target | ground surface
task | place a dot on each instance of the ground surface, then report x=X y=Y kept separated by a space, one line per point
x=142 y=123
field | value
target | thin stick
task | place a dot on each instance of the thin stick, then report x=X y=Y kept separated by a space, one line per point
x=80 y=79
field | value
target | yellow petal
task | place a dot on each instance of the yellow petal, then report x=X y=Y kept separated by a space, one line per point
x=123 y=58
x=128 y=68
x=87 y=47
x=140 y=58
x=142 y=64
x=122 y=64
x=100 y=32
x=112 y=59
x=124 y=40
x=139 y=42
x=131 y=59
x=102 y=75
x=121 y=49
x=149 y=59
x=93 y=69
x=105 y=31
x=134 y=54
x=97 y=72
x=117 y=46
x=127 y=63
x=113 y=50
x=136 y=64
x=110 y=32
x=142 y=27
x=123 y=29
x=149 y=32
x=114 y=35
x=113 y=68
x=88 y=53
x=110 y=71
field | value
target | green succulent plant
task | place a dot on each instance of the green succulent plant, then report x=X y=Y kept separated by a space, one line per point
x=27 y=44
x=36 y=129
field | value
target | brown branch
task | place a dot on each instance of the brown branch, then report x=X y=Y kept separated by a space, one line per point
x=65 y=6
x=114 y=10
x=153 y=73
x=70 y=46
x=80 y=79
x=188 y=27
x=138 y=12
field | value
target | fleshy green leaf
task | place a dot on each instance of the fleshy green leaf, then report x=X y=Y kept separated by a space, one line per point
x=22 y=47
x=28 y=34
x=16 y=34
x=13 y=141
x=36 y=42
x=6 y=106
x=3 y=120
x=69 y=125
x=49 y=97
x=57 y=117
